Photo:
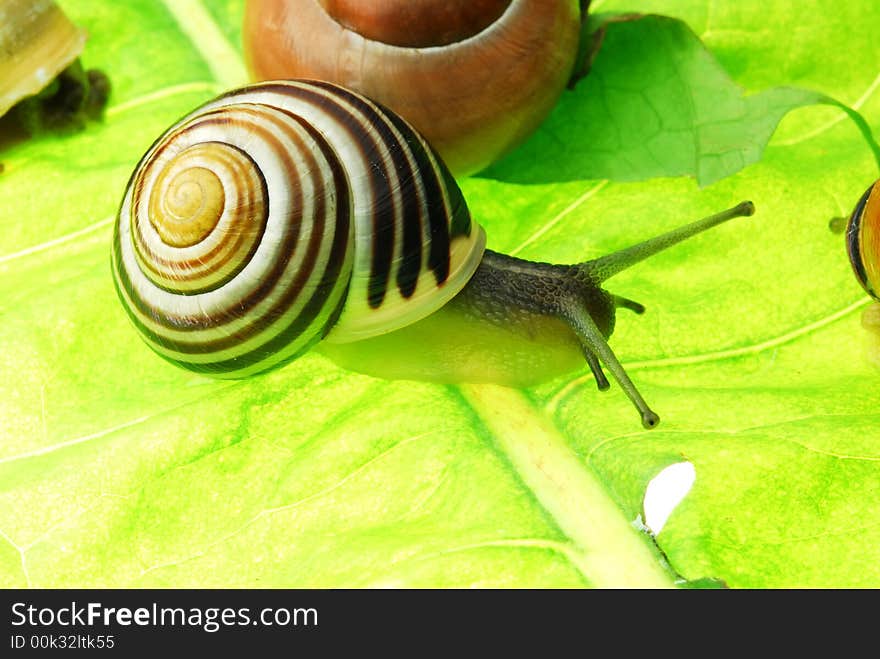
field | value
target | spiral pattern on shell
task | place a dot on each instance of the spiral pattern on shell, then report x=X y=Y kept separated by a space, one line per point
x=279 y=213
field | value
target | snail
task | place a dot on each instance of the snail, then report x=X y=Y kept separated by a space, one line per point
x=863 y=247
x=286 y=213
x=475 y=77
x=863 y=240
x=40 y=72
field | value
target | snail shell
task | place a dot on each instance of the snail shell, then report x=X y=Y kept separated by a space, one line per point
x=863 y=240
x=282 y=213
x=475 y=77
x=37 y=42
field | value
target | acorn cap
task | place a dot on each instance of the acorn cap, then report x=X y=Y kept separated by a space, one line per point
x=473 y=98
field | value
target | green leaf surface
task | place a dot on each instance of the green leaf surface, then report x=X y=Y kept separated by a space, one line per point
x=656 y=103
x=116 y=469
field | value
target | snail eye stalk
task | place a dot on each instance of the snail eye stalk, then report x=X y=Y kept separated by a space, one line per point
x=579 y=315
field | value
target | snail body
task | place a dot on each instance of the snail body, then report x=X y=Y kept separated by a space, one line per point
x=474 y=77
x=476 y=337
x=288 y=212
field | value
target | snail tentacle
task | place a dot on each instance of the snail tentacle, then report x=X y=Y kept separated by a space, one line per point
x=587 y=331
x=602 y=383
x=630 y=305
x=606 y=267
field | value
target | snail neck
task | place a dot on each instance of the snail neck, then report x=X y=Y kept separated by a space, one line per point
x=507 y=290
x=515 y=322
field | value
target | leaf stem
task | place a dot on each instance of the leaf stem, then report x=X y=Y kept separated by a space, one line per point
x=219 y=54
x=615 y=555
x=860 y=123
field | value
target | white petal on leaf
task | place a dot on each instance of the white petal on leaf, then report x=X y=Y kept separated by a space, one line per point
x=665 y=491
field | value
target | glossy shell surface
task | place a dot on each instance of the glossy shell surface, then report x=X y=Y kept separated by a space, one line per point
x=863 y=240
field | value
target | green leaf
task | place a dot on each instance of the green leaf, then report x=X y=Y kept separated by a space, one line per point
x=116 y=469
x=656 y=103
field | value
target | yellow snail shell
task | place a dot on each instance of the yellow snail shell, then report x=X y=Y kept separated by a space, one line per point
x=37 y=42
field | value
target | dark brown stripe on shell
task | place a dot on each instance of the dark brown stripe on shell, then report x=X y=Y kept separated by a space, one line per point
x=410 y=263
x=384 y=237
x=383 y=198
x=435 y=200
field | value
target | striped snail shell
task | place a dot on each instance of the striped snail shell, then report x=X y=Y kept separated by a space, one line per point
x=282 y=213
x=863 y=240
x=475 y=77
